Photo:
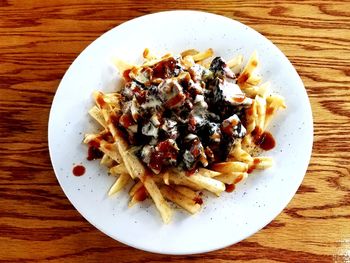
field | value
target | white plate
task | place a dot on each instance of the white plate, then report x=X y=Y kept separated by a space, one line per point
x=223 y=221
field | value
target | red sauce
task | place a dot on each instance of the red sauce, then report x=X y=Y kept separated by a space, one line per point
x=198 y=200
x=238 y=179
x=228 y=127
x=229 y=188
x=192 y=171
x=239 y=99
x=250 y=111
x=164 y=150
x=195 y=150
x=140 y=94
x=164 y=68
x=78 y=170
x=100 y=101
x=269 y=110
x=94 y=153
x=141 y=194
x=243 y=78
x=107 y=137
x=95 y=143
x=126 y=120
x=252 y=167
x=114 y=119
x=264 y=140
x=126 y=75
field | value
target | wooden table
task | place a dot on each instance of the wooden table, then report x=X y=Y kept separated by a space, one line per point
x=39 y=40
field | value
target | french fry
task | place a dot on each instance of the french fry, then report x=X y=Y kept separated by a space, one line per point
x=228 y=167
x=262 y=162
x=246 y=77
x=131 y=162
x=186 y=191
x=95 y=113
x=106 y=160
x=261 y=90
x=118 y=169
x=182 y=180
x=273 y=103
x=238 y=154
x=121 y=65
x=234 y=62
x=135 y=187
x=200 y=181
x=122 y=181
x=251 y=116
x=158 y=199
x=232 y=178
x=261 y=111
x=189 y=52
x=111 y=150
x=203 y=55
x=139 y=195
x=180 y=199
x=166 y=178
x=207 y=172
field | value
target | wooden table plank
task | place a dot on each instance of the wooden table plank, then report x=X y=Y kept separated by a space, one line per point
x=39 y=40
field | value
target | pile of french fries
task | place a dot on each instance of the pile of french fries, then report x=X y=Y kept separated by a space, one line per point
x=175 y=185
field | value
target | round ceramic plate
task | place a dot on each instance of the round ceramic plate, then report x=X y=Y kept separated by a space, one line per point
x=222 y=221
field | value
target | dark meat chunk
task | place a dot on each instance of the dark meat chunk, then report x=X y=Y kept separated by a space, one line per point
x=149 y=129
x=132 y=89
x=194 y=152
x=220 y=69
x=164 y=154
x=228 y=93
x=168 y=130
x=166 y=68
x=171 y=93
x=232 y=127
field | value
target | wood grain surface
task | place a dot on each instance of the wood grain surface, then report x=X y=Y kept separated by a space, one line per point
x=39 y=40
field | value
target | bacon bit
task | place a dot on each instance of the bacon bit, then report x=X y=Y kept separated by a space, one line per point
x=198 y=200
x=174 y=101
x=229 y=188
